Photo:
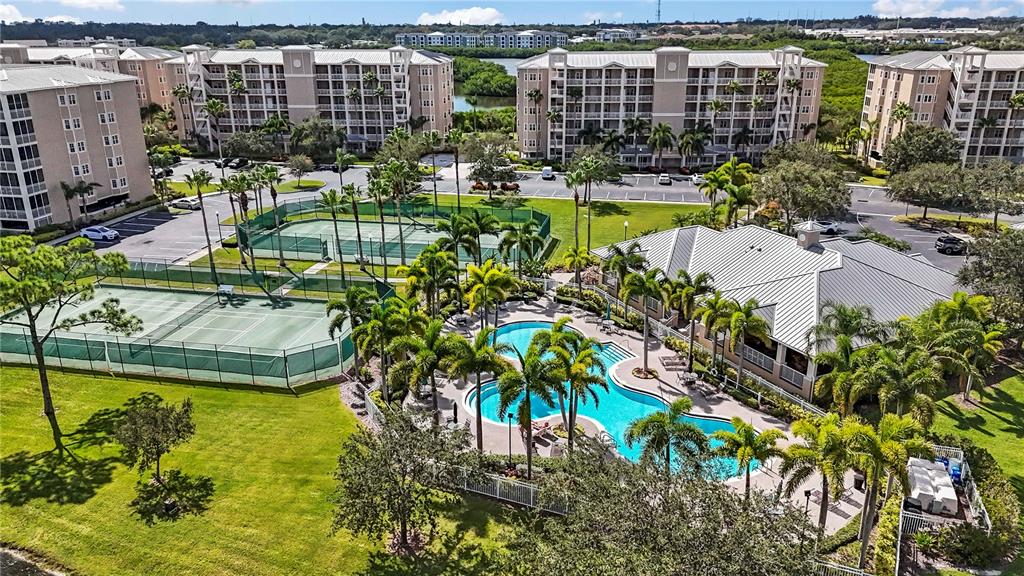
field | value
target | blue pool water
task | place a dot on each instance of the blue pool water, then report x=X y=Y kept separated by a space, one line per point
x=615 y=409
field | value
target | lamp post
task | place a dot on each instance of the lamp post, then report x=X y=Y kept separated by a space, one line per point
x=220 y=233
x=625 y=229
x=807 y=507
x=509 y=416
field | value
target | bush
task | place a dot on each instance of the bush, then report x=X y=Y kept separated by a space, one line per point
x=230 y=242
x=885 y=538
x=869 y=233
x=966 y=544
x=845 y=535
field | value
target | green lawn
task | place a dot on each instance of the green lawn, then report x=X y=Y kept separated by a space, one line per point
x=183 y=188
x=289 y=186
x=270 y=456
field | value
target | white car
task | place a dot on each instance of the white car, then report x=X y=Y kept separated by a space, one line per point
x=828 y=226
x=547 y=173
x=190 y=203
x=664 y=180
x=697 y=179
x=1018 y=226
x=100 y=233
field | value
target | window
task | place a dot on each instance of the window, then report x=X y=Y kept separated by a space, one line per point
x=102 y=95
x=67 y=99
x=111 y=140
x=805 y=109
x=9 y=179
x=107 y=118
x=115 y=161
x=808 y=93
x=133 y=67
x=72 y=123
x=426 y=87
x=17 y=101
x=80 y=170
x=113 y=183
x=34 y=177
x=30 y=152
x=39 y=201
x=532 y=110
x=161 y=80
x=124 y=182
x=531 y=127
x=925 y=98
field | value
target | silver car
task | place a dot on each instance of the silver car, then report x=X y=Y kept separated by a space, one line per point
x=100 y=233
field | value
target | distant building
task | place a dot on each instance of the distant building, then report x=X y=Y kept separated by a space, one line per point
x=525 y=39
x=932 y=35
x=958 y=90
x=615 y=35
x=67 y=124
x=90 y=41
x=429 y=39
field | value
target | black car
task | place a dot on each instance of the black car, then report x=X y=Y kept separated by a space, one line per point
x=238 y=163
x=327 y=167
x=164 y=172
x=952 y=243
x=223 y=163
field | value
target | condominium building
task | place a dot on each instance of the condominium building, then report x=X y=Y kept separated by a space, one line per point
x=525 y=39
x=90 y=41
x=366 y=92
x=965 y=90
x=615 y=35
x=428 y=39
x=753 y=99
x=67 y=124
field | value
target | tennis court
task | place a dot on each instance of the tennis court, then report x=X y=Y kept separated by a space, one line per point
x=202 y=336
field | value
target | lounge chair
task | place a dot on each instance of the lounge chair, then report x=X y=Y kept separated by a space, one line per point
x=542 y=429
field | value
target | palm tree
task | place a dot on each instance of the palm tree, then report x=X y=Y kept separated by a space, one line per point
x=643 y=286
x=522 y=240
x=733 y=87
x=621 y=261
x=481 y=223
x=458 y=233
x=824 y=450
x=271 y=175
x=489 y=285
x=583 y=371
x=431 y=271
x=746 y=445
x=198 y=180
x=984 y=123
x=379 y=191
x=403 y=181
x=614 y=142
x=1017 y=101
x=792 y=85
x=738 y=197
x=352 y=194
x=535 y=95
x=432 y=140
x=484 y=354
x=554 y=116
x=900 y=112
x=661 y=139
x=423 y=357
x=214 y=109
x=535 y=381
x=880 y=452
x=578 y=258
x=80 y=190
x=353 y=307
x=744 y=321
x=741 y=139
x=183 y=94
x=716 y=107
x=685 y=295
x=714 y=181
x=714 y=310
x=343 y=160
x=276 y=126
x=236 y=186
x=661 y=431
x=905 y=377
x=573 y=181
x=590 y=134
x=332 y=201
x=371 y=336
x=636 y=128
x=834 y=341
x=590 y=169
x=455 y=139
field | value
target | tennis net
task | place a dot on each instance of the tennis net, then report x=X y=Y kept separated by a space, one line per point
x=190 y=316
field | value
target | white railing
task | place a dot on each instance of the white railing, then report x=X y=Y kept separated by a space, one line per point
x=913 y=522
x=830 y=569
x=507 y=490
x=759 y=359
x=794 y=377
x=376 y=416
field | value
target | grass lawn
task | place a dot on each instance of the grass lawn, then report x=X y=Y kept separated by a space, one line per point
x=270 y=456
x=873 y=181
x=290 y=186
x=183 y=188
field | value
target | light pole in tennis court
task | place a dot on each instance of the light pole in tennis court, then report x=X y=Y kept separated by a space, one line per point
x=220 y=233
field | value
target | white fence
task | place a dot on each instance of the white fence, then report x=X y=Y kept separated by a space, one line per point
x=508 y=490
x=829 y=569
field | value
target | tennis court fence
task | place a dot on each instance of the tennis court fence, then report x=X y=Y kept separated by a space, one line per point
x=151 y=355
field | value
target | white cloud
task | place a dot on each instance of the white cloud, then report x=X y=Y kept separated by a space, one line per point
x=114 y=5
x=63 y=18
x=592 y=17
x=474 y=15
x=940 y=8
x=10 y=13
x=228 y=2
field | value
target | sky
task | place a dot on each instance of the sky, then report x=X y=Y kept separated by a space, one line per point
x=254 y=12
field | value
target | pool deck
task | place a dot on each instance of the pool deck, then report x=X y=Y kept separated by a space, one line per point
x=722 y=406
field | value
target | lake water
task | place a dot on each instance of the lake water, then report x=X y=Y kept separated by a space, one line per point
x=489 y=102
x=866 y=57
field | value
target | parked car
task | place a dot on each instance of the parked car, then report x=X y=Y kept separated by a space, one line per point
x=697 y=179
x=664 y=180
x=828 y=226
x=547 y=173
x=164 y=172
x=238 y=163
x=950 y=243
x=223 y=162
x=190 y=203
x=100 y=233
x=327 y=167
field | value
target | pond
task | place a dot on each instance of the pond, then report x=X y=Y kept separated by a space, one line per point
x=488 y=102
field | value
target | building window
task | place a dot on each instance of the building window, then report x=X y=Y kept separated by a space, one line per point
x=72 y=123
x=67 y=99
x=80 y=170
x=107 y=118
x=115 y=161
x=111 y=140
x=102 y=95
x=925 y=98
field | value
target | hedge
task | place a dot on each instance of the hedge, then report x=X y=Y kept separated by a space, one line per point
x=886 y=537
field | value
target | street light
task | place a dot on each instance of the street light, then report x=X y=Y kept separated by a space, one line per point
x=220 y=233
x=625 y=229
x=807 y=507
x=509 y=415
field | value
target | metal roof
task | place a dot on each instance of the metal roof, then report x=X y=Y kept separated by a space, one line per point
x=274 y=56
x=148 y=53
x=62 y=53
x=697 y=59
x=913 y=61
x=32 y=77
x=792 y=283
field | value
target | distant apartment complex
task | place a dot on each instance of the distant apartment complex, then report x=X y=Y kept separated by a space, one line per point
x=90 y=41
x=511 y=39
x=966 y=91
x=368 y=92
x=607 y=35
x=933 y=35
x=763 y=98
x=149 y=66
x=67 y=124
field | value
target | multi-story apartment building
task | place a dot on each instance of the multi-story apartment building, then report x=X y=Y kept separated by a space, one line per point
x=367 y=92
x=90 y=41
x=615 y=35
x=762 y=98
x=67 y=124
x=965 y=90
x=428 y=39
x=525 y=39
x=148 y=65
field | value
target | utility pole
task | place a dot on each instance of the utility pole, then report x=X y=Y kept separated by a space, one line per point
x=657 y=17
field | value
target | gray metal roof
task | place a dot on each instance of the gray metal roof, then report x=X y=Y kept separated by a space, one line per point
x=148 y=53
x=697 y=59
x=32 y=77
x=792 y=283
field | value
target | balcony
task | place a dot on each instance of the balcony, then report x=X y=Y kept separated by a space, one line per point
x=18 y=113
x=43 y=212
x=792 y=376
x=8 y=166
x=37 y=187
x=758 y=359
x=31 y=163
x=25 y=138
x=13 y=214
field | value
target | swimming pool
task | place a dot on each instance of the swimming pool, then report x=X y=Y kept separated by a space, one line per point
x=615 y=409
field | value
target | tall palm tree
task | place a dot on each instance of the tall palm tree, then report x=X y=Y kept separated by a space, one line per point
x=423 y=356
x=433 y=270
x=214 y=110
x=343 y=160
x=352 y=194
x=489 y=285
x=573 y=181
x=484 y=354
x=583 y=371
x=905 y=377
x=534 y=381
x=277 y=126
x=984 y=123
x=198 y=180
x=834 y=341
x=900 y=112
x=1017 y=101
x=354 y=307
x=182 y=93
x=741 y=139
x=614 y=142
x=455 y=139
x=646 y=286
x=881 y=452
x=714 y=310
x=685 y=294
x=621 y=261
x=271 y=175
x=554 y=116
x=744 y=321
x=403 y=181
x=458 y=234
x=660 y=432
x=522 y=240
x=716 y=107
x=332 y=201
x=823 y=450
x=379 y=191
x=578 y=258
x=371 y=336
x=236 y=187
x=590 y=134
x=737 y=198
x=590 y=170
x=661 y=139
x=79 y=190
x=637 y=128
x=746 y=445
x=482 y=223
x=432 y=140
x=714 y=182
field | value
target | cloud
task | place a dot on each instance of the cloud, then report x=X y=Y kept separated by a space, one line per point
x=63 y=18
x=474 y=15
x=114 y=5
x=227 y=2
x=940 y=8
x=10 y=13
x=592 y=17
